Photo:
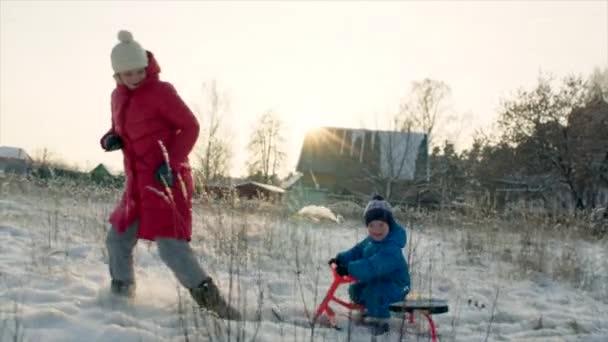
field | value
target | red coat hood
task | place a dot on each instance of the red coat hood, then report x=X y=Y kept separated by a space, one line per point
x=153 y=69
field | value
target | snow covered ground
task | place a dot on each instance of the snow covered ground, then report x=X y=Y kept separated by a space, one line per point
x=54 y=279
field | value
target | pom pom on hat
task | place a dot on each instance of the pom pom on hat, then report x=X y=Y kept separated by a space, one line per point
x=378 y=209
x=128 y=54
x=125 y=36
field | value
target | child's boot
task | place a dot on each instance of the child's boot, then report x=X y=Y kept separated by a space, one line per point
x=207 y=295
x=359 y=316
x=378 y=326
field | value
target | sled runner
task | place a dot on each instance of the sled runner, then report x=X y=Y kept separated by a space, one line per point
x=427 y=307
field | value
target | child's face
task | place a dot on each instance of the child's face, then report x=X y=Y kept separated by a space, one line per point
x=132 y=78
x=377 y=230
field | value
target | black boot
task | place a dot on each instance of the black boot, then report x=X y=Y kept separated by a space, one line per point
x=378 y=326
x=121 y=288
x=378 y=329
x=208 y=296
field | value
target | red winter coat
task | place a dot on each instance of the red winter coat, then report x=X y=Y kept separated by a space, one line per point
x=142 y=117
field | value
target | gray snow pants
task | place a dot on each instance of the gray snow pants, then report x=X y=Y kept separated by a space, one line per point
x=176 y=254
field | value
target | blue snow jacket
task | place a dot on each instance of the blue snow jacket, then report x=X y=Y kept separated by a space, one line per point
x=381 y=270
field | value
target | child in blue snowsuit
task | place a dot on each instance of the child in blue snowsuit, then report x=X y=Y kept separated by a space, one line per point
x=378 y=264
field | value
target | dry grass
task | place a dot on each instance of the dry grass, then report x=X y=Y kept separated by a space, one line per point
x=243 y=237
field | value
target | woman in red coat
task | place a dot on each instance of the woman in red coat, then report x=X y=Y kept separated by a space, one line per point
x=156 y=131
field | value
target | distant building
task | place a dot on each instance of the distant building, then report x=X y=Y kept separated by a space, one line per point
x=14 y=160
x=102 y=175
x=255 y=190
x=360 y=161
x=291 y=180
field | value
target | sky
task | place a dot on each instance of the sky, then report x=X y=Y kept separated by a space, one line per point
x=315 y=63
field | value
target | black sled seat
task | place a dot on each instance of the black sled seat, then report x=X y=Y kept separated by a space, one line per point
x=433 y=306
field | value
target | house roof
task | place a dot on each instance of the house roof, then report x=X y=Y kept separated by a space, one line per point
x=101 y=168
x=290 y=181
x=14 y=153
x=226 y=182
x=268 y=187
x=397 y=152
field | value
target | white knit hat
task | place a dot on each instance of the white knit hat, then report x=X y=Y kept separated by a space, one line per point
x=128 y=54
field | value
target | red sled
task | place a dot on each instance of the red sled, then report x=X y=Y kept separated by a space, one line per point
x=427 y=307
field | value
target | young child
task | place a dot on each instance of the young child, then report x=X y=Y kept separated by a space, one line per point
x=378 y=264
x=156 y=131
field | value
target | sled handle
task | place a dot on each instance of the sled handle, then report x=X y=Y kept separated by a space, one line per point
x=324 y=306
x=338 y=279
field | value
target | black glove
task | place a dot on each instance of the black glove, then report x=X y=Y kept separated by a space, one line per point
x=163 y=173
x=111 y=142
x=342 y=270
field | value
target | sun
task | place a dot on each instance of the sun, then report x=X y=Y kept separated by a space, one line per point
x=305 y=124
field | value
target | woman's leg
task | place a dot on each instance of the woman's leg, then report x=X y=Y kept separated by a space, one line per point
x=120 y=251
x=179 y=257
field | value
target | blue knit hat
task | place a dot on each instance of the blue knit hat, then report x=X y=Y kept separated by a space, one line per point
x=378 y=209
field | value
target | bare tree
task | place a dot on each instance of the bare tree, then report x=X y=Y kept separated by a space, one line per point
x=558 y=132
x=425 y=106
x=423 y=109
x=214 y=150
x=396 y=146
x=266 y=147
x=44 y=157
x=598 y=84
x=386 y=158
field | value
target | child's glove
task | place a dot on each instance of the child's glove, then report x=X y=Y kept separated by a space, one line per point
x=163 y=172
x=342 y=270
x=111 y=142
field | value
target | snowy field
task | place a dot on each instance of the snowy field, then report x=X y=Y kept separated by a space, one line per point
x=502 y=284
